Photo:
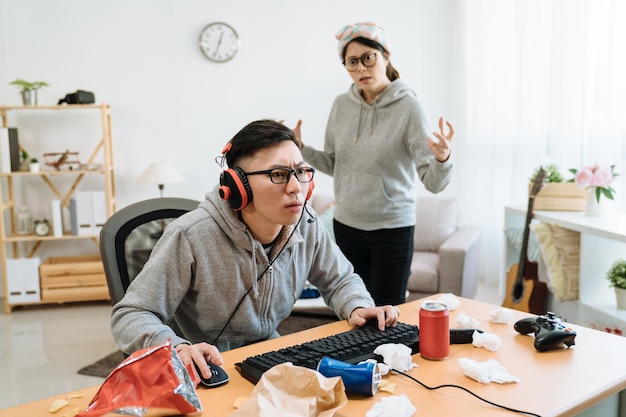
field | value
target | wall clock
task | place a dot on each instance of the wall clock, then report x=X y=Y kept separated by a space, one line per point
x=219 y=42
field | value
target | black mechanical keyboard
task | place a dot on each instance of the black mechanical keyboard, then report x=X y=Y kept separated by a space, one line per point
x=353 y=346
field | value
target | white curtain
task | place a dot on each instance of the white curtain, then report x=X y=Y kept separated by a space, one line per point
x=544 y=82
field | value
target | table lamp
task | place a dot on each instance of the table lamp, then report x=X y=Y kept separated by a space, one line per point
x=160 y=173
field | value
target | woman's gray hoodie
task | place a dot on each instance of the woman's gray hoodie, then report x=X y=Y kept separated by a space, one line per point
x=204 y=264
x=375 y=152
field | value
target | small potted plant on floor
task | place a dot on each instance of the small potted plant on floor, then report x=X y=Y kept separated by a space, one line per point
x=29 y=90
x=617 y=277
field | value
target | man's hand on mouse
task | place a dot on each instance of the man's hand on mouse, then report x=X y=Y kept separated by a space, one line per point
x=387 y=316
x=200 y=354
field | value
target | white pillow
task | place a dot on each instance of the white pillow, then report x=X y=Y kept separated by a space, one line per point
x=437 y=219
x=515 y=236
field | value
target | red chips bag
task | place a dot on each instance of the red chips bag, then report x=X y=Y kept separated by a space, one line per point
x=151 y=382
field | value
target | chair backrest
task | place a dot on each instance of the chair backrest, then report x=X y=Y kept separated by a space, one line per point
x=128 y=236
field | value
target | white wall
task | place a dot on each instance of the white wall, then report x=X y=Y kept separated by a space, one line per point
x=169 y=102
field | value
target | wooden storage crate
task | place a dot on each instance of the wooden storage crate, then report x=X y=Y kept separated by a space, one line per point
x=73 y=278
x=560 y=196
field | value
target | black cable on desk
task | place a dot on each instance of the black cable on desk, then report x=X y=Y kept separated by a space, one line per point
x=469 y=392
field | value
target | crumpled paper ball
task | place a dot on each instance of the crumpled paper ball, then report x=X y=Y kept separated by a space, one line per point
x=450 y=300
x=466 y=322
x=396 y=355
x=489 y=341
x=486 y=372
x=501 y=315
x=395 y=406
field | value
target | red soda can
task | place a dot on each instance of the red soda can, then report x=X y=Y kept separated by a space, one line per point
x=434 y=331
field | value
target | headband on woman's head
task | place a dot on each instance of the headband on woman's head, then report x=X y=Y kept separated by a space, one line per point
x=367 y=30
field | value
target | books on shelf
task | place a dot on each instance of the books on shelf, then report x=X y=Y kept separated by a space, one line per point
x=9 y=150
x=57 y=219
x=90 y=211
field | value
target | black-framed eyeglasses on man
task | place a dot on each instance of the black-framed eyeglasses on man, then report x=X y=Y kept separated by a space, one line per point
x=368 y=60
x=283 y=175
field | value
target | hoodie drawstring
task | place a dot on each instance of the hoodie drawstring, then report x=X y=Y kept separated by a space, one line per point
x=358 y=128
x=373 y=120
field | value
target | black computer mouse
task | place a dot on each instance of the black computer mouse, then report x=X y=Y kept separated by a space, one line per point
x=219 y=377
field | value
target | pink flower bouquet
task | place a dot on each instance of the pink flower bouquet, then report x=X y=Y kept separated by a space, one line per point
x=595 y=177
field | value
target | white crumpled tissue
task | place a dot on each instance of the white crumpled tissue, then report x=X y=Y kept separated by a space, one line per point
x=501 y=315
x=450 y=300
x=489 y=341
x=396 y=355
x=466 y=322
x=395 y=406
x=486 y=372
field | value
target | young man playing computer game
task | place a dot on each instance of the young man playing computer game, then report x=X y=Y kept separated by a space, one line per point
x=227 y=273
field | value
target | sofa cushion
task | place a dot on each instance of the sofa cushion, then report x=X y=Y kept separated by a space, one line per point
x=424 y=277
x=437 y=219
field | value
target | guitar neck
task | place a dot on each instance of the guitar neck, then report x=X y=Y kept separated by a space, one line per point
x=524 y=251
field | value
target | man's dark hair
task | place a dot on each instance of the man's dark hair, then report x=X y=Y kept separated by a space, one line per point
x=255 y=136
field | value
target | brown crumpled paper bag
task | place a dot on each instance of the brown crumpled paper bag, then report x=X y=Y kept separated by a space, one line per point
x=294 y=391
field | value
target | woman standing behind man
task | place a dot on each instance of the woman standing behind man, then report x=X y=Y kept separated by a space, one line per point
x=376 y=144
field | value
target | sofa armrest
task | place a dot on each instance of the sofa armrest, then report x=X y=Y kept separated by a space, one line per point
x=321 y=202
x=459 y=260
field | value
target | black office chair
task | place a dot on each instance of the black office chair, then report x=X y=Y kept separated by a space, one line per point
x=128 y=236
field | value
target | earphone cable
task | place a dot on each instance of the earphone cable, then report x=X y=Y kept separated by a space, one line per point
x=468 y=391
x=261 y=275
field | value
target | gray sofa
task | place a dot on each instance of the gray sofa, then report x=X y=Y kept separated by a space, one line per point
x=447 y=255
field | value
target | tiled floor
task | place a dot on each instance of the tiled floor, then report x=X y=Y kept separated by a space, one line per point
x=41 y=349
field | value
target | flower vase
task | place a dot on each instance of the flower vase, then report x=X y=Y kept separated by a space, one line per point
x=595 y=208
x=620 y=298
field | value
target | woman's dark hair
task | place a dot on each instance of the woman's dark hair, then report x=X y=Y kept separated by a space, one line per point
x=392 y=73
x=255 y=136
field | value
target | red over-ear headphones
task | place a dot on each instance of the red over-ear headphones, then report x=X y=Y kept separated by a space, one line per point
x=234 y=186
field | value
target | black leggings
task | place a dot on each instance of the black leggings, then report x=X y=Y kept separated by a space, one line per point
x=381 y=257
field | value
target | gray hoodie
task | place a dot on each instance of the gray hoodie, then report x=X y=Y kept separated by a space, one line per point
x=375 y=153
x=204 y=264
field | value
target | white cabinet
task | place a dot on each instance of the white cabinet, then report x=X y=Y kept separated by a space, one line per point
x=602 y=241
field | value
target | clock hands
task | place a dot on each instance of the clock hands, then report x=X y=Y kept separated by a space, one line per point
x=219 y=42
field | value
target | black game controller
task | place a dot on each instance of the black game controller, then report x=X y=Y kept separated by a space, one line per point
x=550 y=333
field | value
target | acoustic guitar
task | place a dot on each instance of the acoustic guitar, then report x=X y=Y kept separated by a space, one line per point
x=524 y=291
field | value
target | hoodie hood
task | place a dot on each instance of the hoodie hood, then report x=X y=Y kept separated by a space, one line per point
x=395 y=91
x=229 y=221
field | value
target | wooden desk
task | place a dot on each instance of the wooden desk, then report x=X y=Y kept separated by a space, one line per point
x=555 y=383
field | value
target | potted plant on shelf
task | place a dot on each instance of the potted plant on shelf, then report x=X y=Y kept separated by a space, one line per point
x=617 y=277
x=557 y=194
x=29 y=90
x=24 y=161
x=34 y=165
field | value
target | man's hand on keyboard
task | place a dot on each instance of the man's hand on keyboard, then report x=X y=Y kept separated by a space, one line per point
x=387 y=316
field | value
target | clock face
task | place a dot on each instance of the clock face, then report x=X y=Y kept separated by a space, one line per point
x=42 y=228
x=219 y=42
